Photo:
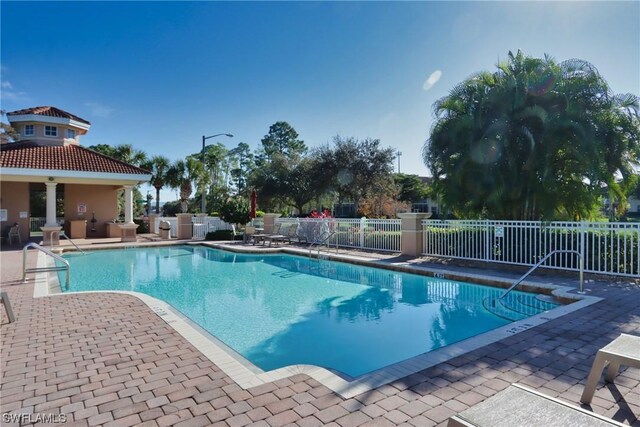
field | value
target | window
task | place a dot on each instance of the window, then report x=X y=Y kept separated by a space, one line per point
x=71 y=133
x=50 y=131
x=28 y=130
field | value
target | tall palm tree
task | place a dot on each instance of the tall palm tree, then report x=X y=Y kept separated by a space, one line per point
x=159 y=166
x=181 y=176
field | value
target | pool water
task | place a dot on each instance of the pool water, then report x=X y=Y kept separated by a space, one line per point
x=279 y=310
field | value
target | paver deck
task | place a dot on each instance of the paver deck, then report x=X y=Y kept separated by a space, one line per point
x=107 y=359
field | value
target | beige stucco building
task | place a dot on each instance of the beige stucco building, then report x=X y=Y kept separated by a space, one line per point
x=48 y=157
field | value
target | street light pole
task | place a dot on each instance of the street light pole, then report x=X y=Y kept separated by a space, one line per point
x=204 y=190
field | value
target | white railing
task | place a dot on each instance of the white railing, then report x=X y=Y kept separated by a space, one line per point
x=364 y=233
x=608 y=248
x=205 y=224
x=36 y=222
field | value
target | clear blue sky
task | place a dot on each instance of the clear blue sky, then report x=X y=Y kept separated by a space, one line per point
x=159 y=75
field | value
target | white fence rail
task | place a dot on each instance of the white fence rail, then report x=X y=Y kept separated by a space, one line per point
x=364 y=233
x=608 y=248
x=205 y=224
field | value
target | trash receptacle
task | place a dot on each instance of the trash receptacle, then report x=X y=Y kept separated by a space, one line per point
x=164 y=229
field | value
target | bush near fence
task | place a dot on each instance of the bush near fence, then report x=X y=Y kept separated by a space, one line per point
x=614 y=251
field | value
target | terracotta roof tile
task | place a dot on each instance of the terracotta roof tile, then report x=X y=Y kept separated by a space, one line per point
x=29 y=155
x=48 y=111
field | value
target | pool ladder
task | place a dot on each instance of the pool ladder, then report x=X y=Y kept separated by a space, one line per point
x=25 y=270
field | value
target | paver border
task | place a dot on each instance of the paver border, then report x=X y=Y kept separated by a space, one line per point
x=247 y=375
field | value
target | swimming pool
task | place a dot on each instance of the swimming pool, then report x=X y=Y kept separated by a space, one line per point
x=279 y=310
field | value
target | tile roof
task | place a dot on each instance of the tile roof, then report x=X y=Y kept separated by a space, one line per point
x=30 y=155
x=48 y=111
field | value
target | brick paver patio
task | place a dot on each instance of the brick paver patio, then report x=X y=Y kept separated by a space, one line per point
x=107 y=359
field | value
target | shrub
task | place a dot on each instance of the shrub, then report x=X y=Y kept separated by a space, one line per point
x=221 y=235
x=143 y=226
x=235 y=211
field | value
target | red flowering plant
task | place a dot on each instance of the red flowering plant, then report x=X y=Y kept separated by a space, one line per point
x=322 y=229
x=325 y=214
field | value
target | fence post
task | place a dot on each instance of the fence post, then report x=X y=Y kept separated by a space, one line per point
x=583 y=231
x=270 y=221
x=185 y=226
x=487 y=242
x=411 y=242
x=153 y=219
x=363 y=225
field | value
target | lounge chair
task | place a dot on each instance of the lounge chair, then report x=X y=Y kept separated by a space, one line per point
x=624 y=350
x=291 y=234
x=263 y=236
x=249 y=232
x=521 y=406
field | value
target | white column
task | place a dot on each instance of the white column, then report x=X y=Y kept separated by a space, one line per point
x=128 y=204
x=51 y=204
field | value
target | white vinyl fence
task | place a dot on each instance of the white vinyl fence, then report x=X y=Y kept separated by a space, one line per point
x=608 y=248
x=205 y=224
x=364 y=233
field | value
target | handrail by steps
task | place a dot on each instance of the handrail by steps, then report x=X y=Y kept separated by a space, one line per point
x=26 y=270
x=539 y=263
x=63 y=234
x=318 y=244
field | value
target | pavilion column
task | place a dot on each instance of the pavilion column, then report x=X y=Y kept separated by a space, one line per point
x=128 y=229
x=51 y=229
x=51 y=204
x=128 y=204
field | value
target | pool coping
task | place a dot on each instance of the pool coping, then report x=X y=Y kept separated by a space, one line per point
x=247 y=375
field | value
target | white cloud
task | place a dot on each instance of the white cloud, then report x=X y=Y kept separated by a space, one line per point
x=6 y=85
x=98 y=109
x=432 y=80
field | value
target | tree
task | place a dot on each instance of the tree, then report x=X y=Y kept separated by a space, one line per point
x=181 y=175
x=243 y=164
x=8 y=134
x=355 y=169
x=534 y=140
x=282 y=139
x=158 y=166
x=123 y=152
x=411 y=187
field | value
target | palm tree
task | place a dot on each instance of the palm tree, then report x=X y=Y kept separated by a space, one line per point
x=159 y=167
x=181 y=175
x=535 y=139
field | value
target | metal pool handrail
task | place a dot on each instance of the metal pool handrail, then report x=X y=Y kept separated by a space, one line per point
x=539 y=263
x=26 y=270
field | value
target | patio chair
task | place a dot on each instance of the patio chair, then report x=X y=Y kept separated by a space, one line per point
x=291 y=234
x=262 y=236
x=520 y=406
x=14 y=234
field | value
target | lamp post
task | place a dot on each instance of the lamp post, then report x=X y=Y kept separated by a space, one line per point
x=204 y=191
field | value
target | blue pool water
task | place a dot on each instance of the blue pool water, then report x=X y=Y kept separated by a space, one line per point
x=279 y=310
